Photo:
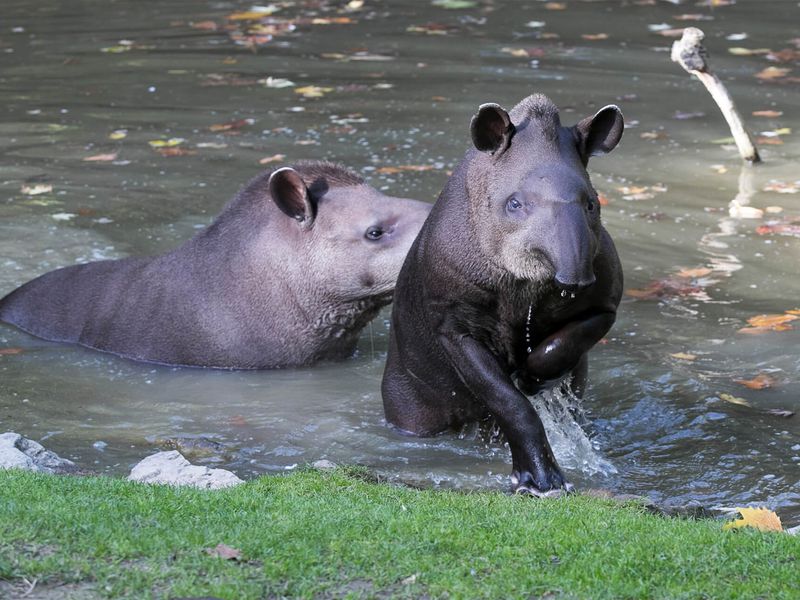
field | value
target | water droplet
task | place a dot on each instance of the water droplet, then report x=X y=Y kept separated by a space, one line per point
x=563 y=293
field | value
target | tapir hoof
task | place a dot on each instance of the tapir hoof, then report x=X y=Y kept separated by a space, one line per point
x=553 y=485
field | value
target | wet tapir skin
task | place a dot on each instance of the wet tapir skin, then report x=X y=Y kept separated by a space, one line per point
x=288 y=274
x=512 y=279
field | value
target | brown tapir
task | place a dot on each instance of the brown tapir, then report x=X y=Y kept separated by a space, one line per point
x=288 y=274
x=512 y=277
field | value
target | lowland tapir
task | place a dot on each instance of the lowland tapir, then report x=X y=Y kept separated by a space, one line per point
x=512 y=278
x=293 y=268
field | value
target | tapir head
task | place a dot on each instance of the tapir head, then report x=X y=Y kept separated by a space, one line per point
x=532 y=206
x=348 y=240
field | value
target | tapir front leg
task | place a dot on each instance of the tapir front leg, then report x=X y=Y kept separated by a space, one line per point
x=562 y=351
x=535 y=470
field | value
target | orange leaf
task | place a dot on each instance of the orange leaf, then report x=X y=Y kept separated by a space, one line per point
x=9 y=351
x=772 y=73
x=759 y=382
x=175 y=151
x=762 y=519
x=694 y=273
x=771 y=320
x=232 y=125
x=593 y=37
x=401 y=168
x=271 y=159
x=771 y=114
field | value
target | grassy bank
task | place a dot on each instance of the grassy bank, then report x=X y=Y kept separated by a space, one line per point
x=314 y=534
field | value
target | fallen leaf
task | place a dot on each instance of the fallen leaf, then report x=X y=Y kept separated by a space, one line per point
x=170 y=143
x=771 y=73
x=118 y=134
x=271 y=159
x=36 y=189
x=762 y=519
x=204 y=25
x=454 y=4
x=101 y=157
x=232 y=125
x=224 y=552
x=748 y=51
x=759 y=382
x=175 y=151
x=312 y=91
x=10 y=351
x=784 y=56
x=593 y=37
x=672 y=33
x=763 y=140
x=332 y=21
x=276 y=82
x=771 y=320
x=770 y=114
x=432 y=29
x=734 y=400
x=782 y=187
x=683 y=356
x=695 y=273
x=555 y=5
x=253 y=15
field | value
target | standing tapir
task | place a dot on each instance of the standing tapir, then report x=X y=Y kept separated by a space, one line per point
x=512 y=276
x=293 y=268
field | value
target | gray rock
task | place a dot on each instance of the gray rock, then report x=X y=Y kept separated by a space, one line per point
x=17 y=452
x=793 y=530
x=323 y=465
x=173 y=469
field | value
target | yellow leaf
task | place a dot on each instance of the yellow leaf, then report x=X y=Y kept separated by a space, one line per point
x=118 y=134
x=683 y=356
x=762 y=519
x=748 y=51
x=170 y=143
x=734 y=400
x=312 y=91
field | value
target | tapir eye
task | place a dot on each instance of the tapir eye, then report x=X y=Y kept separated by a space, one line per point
x=590 y=205
x=374 y=233
x=513 y=203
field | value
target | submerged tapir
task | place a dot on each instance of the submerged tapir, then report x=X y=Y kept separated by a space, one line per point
x=293 y=268
x=512 y=277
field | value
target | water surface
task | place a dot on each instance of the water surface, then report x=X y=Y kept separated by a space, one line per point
x=399 y=82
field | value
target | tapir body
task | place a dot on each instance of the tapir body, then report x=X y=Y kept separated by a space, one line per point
x=512 y=278
x=288 y=274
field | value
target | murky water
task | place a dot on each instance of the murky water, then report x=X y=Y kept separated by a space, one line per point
x=399 y=82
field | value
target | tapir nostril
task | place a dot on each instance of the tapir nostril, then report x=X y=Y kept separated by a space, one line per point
x=574 y=286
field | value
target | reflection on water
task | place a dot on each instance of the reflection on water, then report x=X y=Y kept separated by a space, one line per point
x=389 y=89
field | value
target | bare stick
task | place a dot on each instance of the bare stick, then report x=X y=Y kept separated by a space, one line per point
x=690 y=53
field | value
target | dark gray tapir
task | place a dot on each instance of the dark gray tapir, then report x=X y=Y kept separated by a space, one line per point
x=512 y=277
x=289 y=273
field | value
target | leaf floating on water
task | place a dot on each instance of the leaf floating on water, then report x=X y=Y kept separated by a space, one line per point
x=36 y=189
x=271 y=159
x=671 y=33
x=771 y=320
x=731 y=399
x=224 y=552
x=759 y=382
x=787 y=55
x=695 y=273
x=175 y=151
x=432 y=29
x=593 y=37
x=118 y=134
x=111 y=156
x=276 y=82
x=63 y=216
x=772 y=73
x=555 y=5
x=770 y=114
x=762 y=519
x=312 y=91
x=11 y=351
x=736 y=51
x=683 y=356
x=170 y=143
x=782 y=187
x=204 y=25
x=232 y=125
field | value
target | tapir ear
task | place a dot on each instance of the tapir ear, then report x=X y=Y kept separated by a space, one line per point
x=601 y=133
x=289 y=192
x=491 y=129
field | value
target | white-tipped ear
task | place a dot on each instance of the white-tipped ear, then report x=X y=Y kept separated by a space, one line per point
x=601 y=133
x=289 y=192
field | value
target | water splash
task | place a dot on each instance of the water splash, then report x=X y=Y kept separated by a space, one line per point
x=562 y=414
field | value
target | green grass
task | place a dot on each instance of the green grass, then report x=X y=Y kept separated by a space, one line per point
x=312 y=534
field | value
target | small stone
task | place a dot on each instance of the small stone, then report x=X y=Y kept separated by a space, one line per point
x=793 y=530
x=17 y=452
x=173 y=469
x=323 y=465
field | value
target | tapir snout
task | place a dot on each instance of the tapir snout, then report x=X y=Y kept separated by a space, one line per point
x=569 y=243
